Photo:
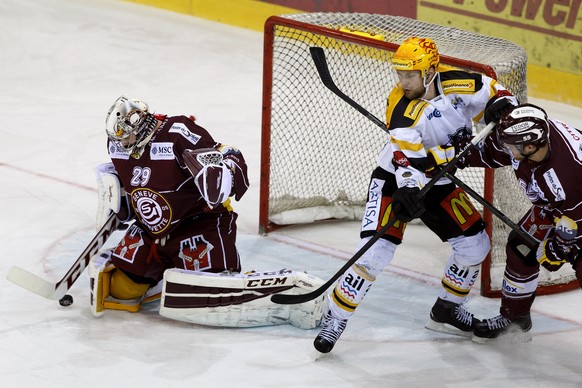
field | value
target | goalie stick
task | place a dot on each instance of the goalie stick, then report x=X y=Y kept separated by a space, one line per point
x=318 y=56
x=56 y=291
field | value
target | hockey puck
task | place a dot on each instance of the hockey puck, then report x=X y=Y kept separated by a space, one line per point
x=66 y=300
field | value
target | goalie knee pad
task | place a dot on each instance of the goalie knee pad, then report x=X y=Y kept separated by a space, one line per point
x=239 y=300
x=111 y=289
x=122 y=287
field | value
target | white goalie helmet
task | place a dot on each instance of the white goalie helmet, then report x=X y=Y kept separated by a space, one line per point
x=128 y=117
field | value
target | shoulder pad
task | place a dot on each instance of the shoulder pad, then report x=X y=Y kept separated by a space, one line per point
x=461 y=82
x=402 y=112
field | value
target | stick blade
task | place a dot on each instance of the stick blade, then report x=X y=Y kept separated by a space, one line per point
x=295 y=299
x=318 y=56
x=32 y=282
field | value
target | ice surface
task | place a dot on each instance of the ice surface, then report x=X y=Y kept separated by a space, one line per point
x=62 y=64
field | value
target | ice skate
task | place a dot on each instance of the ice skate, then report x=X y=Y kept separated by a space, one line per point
x=332 y=329
x=451 y=318
x=490 y=329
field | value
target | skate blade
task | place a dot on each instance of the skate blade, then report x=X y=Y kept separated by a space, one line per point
x=316 y=354
x=512 y=337
x=445 y=328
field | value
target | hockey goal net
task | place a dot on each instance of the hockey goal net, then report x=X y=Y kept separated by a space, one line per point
x=318 y=152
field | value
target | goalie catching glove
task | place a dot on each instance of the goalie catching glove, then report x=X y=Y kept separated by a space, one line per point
x=218 y=173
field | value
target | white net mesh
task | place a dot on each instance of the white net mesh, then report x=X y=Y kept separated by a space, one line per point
x=321 y=151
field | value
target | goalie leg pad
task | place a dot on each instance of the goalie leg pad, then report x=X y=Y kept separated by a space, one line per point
x=238 y=300
x=307 y=315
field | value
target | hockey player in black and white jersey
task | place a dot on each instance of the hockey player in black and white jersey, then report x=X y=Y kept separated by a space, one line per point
x=429 y=107
x=546 y=156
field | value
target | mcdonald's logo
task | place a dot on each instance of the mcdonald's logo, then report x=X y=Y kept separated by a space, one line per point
x=462 y=202
x=397 y=230
x=461 y=209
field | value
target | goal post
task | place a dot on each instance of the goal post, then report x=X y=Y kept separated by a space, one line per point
x=317 y=152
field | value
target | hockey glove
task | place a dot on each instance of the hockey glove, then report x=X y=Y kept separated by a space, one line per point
x=498 y=105
x=406 y=204
x=211 y=175
x=552 y=253
x=214 y=183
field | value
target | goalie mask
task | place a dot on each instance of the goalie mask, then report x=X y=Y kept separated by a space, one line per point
x=130 y=125
x=522 y=125
x=417 y=54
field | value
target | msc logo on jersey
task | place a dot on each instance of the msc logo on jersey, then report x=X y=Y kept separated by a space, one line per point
x=152 y=208
x=162 y=151
x=184 y=131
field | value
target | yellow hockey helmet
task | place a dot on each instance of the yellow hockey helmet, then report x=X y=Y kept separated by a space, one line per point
x=416 y=54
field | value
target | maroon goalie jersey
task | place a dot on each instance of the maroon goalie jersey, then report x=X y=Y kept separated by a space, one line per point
x=160 y=188
x=552 y=184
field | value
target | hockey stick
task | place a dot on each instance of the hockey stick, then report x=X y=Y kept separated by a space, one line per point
x=56 y=291
x=522 y=234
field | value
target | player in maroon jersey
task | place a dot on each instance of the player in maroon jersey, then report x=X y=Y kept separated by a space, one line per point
x=546 y=156
x=178 y=181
